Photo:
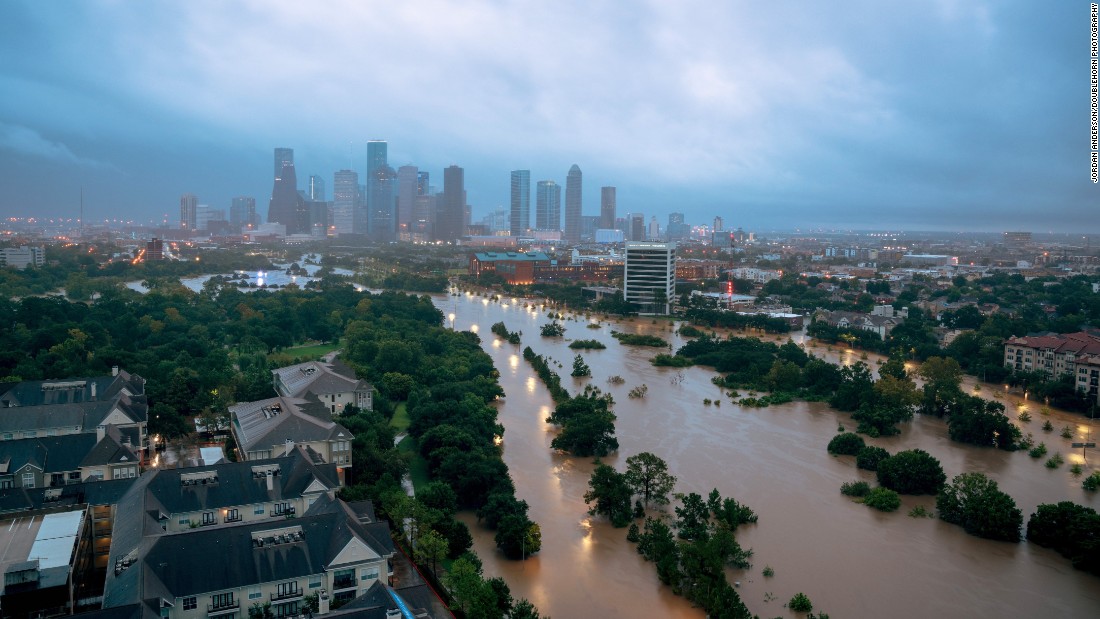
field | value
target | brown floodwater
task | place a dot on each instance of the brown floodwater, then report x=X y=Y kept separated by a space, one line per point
x=850 y=560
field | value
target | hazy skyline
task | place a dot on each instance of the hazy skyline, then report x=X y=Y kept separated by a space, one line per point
x=942 y=114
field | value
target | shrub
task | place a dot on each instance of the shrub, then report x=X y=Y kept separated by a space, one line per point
x=768 y=571
x=869 y=457
x=1038 y=451
x=1055 y=461
x=882 y=499
x=552 y=329
x=920 y=512
x=1024 y=417
x=911 y=472
x=1076 y=470
x=847 y=444
x=587 y=345
x=800 y=603
x=1047 y=426
x=1092 y=482
x=855 y=488
x=1067 y=432
x=974 y=502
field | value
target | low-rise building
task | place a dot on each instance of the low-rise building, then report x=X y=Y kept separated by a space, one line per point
x=1053 y=354
x=333 y=551
x=45 y=562
x=273 y=427
x=68 y=459
x=334 y=384
x=42 y=408
x=882 y=325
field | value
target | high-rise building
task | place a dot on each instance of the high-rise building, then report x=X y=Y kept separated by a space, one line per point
x=189 y=204
x=287 y=206
x=345 y=201
x=423 y=217
x=718 y=224
x=383 y=202
x=649 y=276
x=607 y=208
x=573 y=205
x=548 y=206
x=452 y=206
x=243 y=212
x=677 y=229
x=637 y=227
x=283 y=156
x=423 y=186
x=376 y=159
x=316 y=189
x=520 y=215
x=654 y=229
x=406 y=197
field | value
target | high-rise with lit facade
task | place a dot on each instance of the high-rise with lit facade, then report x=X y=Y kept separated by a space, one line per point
x=452 y=206
x=520 y=215
x=316 y=189
x=607 y=208
x=189 y=204
x=548 y=206
x=283 y=156
x=345 y=201
x=573 y=205
x=383 y=200
x=649 y=276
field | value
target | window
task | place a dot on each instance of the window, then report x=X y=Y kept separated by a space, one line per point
x=30 y=434
x=370 y=573
x=232 y=515
x=28 y=480
x=208 y=518
x=315 y=582
x=342 y=579
x=259 y=510
x=280 y=508
x=185 y=522
x=255 y=593
x=8 y=436
x=51 y=431
x=190 y=603
x=222 y=600
x=74 y=476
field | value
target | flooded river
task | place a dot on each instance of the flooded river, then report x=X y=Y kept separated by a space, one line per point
x=850 y=560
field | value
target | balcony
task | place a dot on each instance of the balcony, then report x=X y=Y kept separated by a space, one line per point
x=343 y=582
x=222 y=608
x=296 y=594
x=236 y=518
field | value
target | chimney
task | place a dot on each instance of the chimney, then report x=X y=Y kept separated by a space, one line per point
x=114 y=370
x=93 y=390
x=322 y=601
x=270 y=484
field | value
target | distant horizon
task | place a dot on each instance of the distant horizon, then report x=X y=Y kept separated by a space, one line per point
x=935 y=115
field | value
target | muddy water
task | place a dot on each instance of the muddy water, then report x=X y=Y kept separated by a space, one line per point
x=850 y=560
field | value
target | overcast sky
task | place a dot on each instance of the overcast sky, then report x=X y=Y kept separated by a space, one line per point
x=933 y=114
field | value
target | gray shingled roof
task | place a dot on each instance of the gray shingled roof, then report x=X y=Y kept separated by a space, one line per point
x=265 y=423
x=318 y=378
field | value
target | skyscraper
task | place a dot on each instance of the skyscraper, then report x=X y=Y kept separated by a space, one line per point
x=637 y=227
x=287 y=206
x=283 y=156
x=452 y=209
x=345 y=201
x=423 y=186
x=383 y=202
x=243 y=212
x=189 y=203
x=406 y=197
x=376 y=159
x=316 y=189
x=573 y=205
x=548 y=206
x=520 y=215
x=677 y=229
x=607 y=208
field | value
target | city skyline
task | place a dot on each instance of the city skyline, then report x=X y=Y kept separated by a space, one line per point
x=764 y=116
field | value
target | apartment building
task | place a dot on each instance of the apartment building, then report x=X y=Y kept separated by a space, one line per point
x=334 y=384
x=271 y=428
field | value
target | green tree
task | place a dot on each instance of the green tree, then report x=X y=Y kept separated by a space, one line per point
x=431 y=548
x=911 y=472
x=941 y=384
x=580 y=368
x=648 y=476
x=692 y=517
x=869 y=457
x=974 y=501
x=1070 y=529
x=524 y=609
x=609 y=494
x=845 y=444
x=882 y=499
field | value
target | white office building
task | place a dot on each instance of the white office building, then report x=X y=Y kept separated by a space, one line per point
x=649 y=277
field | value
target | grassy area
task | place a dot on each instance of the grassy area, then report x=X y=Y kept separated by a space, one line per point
x=418 y=467
x=400 y=421
x=314 y=351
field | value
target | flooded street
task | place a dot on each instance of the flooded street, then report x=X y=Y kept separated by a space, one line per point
x=850 y=560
